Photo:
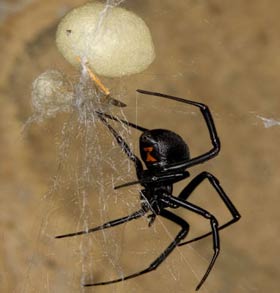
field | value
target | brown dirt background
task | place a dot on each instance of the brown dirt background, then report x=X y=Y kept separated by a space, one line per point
x=224 y=53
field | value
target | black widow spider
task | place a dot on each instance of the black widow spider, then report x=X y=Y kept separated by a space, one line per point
x=166 y=157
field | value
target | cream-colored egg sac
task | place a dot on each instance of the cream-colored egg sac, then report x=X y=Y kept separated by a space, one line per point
x=52 y=92
x=115 y=43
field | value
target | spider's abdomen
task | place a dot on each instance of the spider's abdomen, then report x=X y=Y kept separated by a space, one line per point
x=159 y=147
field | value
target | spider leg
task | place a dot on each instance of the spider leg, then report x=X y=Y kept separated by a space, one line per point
x=210 y=126
x=110 y=224
x=214 y=225
x=181 y=235
x=130 y=124
x=124 y=146
x=184 y=195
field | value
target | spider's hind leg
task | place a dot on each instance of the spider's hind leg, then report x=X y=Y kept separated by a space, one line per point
x=187 y=191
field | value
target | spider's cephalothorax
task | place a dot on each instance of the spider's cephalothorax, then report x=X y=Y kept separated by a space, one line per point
x=161 y=147
x=167 y=159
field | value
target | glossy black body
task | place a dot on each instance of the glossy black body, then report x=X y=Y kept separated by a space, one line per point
x=167 y=158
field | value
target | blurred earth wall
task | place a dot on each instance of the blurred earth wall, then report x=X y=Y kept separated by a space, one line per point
x=222 y=53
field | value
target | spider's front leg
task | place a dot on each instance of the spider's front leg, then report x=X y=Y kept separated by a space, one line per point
x=181 y=235
x=214 y=226
x=110 y=224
